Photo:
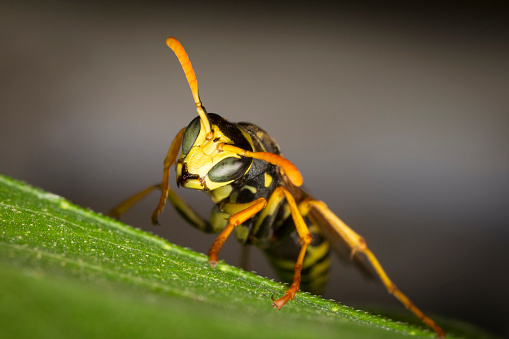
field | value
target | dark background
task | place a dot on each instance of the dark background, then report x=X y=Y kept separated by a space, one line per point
x=396 y=114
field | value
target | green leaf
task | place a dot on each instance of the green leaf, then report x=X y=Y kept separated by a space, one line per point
x=67 y=271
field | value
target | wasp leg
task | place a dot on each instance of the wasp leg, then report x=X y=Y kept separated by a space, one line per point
x=358 y=245
x=247 y=211
x=283 y=253
x=283 y=250
x=305 y=240
x=121 y=208
x=178 y=203
x=170 y=159
x=189 y=215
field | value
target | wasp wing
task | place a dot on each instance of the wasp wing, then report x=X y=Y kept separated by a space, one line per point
x=340 y=245
x=333 y=234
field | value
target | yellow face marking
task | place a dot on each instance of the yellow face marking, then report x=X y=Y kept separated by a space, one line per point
x=204 y=155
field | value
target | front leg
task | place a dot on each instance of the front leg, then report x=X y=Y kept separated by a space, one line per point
x=248 y=210
x=305 y=240
x=193 y=218
x=170 y=159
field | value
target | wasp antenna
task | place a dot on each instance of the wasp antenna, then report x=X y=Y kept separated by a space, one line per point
x=181 y=54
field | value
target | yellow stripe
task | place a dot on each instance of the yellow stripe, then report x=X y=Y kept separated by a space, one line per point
x=315 y=254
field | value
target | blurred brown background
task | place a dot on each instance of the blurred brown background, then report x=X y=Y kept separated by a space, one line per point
x=397 y=116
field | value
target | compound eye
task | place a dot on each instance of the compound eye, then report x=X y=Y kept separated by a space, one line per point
x=229 y=169
x=192 y=131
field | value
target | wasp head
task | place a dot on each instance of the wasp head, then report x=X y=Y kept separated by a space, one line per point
x=201 y=165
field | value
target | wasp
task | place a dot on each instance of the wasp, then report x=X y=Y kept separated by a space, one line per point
x=257 y=195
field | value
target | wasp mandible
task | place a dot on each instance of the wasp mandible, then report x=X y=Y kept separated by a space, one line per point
x=256 y=194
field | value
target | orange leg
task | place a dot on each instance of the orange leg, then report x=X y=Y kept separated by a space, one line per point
x=180 y=206
x=170 y=159
x=235 y=220
x=295 y=177
x=305 y=239
x=128 y=203
x=358 y=246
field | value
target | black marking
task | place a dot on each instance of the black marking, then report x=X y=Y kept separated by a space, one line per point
x=185 y=175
